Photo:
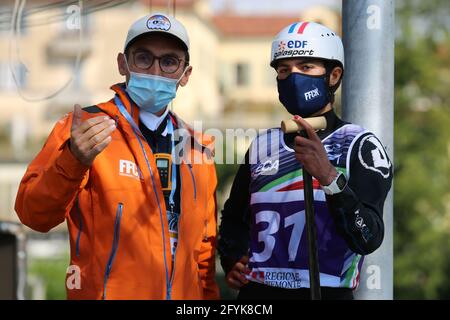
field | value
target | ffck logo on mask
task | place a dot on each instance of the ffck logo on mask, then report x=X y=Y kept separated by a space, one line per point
x=312 y=94
x=129 y=169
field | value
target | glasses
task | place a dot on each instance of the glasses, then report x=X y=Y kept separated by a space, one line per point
x=167 y=63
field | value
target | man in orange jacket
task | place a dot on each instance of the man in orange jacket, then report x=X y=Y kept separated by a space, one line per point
x=142 y=221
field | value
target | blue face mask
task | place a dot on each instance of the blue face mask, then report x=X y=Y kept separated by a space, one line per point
x=302 y=94
x=151 y=93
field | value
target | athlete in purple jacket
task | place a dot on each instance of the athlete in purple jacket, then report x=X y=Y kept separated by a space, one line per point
x=262 y=244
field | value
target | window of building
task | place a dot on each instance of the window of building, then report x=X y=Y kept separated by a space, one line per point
x=242 y=74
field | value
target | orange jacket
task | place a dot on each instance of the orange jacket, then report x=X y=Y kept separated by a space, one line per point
x=116 y=214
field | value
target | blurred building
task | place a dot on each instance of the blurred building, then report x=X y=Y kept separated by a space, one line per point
x=232 y=85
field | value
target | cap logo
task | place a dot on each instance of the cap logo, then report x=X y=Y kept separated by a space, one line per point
x=158 y=22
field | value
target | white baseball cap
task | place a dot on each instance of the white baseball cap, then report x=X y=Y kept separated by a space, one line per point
x=308 y=40
x=158 y=22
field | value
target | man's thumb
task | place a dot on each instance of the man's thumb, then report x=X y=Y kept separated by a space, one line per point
x=77 y=115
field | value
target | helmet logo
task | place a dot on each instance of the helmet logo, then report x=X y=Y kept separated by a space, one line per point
x=158 y=22
x=281 y=46
x=293 y=48
x=300 y=29
x=295 y=44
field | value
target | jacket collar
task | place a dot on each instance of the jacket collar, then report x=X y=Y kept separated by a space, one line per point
x=111 y=109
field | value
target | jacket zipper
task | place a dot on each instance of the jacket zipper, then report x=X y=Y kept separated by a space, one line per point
x=114 y=247
x=172 y=276
x=168 y=288
x=139 y=137
x=193 y=181
x=80 y=228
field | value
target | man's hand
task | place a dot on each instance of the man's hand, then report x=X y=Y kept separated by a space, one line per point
x=89 y=138
x=235 y=277
x=311 y=153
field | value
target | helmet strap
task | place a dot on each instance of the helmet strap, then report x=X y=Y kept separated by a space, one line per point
x=329 y=66
x=331 y=89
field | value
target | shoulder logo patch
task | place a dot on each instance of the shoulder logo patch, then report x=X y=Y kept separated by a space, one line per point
x=375 y=160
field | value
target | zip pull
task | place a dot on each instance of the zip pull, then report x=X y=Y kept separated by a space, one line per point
x=193 y=180
x=169 y=293
x=205 y=235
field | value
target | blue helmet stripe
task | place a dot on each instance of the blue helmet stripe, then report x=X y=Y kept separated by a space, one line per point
x=292 y=28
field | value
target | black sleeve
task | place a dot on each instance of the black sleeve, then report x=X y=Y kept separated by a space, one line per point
x=234 y=228
x=358 y=209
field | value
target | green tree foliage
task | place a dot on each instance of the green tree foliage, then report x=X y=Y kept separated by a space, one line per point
x=52 y=273
x=422 y=151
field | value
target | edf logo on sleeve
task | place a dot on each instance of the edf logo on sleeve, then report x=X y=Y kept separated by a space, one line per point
x=297 y=44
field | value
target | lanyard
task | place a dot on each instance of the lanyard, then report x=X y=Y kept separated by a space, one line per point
x=170 y=130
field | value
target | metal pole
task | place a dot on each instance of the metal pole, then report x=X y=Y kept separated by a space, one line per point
x=313 y=257
x=368 y=93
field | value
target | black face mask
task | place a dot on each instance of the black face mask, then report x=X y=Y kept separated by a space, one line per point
x=303 y=94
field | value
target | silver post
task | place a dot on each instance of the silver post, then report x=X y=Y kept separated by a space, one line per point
x=368 y=93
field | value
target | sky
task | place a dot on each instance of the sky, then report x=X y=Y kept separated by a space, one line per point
x=270 y=6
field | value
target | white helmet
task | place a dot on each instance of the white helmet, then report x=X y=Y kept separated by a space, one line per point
x=307 y=39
